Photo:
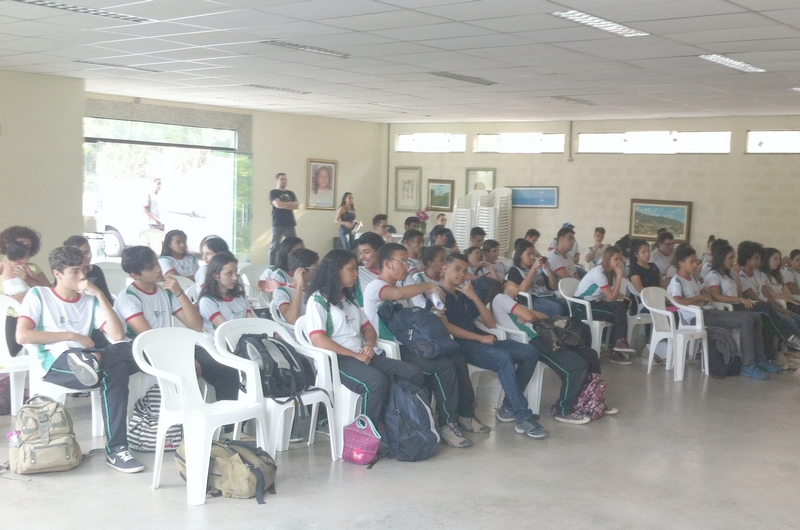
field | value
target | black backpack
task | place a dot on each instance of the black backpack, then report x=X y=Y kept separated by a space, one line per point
x=284 y=372
x=719 y=341
x=410 y=429
x=420 y=330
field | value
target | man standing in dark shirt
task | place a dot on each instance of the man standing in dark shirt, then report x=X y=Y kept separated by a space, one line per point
x=284 y=202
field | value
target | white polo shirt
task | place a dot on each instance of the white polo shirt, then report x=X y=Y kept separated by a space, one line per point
x=50 y=312
x=343 y=324
x=662 y=262
x=558 y=262
x=156 y=307
x=186 y=266
x=229 y=308
x=680 y=287
x=790 y=276
x=726 y=284
x=372 y=304
x=592 y=285
x=503 y=311
x=756 y=283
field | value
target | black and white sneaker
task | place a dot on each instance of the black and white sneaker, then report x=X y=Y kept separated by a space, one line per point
x=120 y=459
x=84 y=366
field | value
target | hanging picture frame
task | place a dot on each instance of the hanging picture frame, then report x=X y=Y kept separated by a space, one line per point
x=408 y=189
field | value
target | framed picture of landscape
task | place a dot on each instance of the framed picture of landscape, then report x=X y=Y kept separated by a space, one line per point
x=647 y=216
x=440 y=195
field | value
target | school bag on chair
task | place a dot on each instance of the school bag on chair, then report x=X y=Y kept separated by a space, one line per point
x=421 y=331
x=46 y=438
x=143 y=427
x=410 y=428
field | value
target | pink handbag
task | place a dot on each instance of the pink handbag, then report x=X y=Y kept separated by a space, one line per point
x=361 y=441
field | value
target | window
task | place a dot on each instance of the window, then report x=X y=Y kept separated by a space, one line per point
x=779 y=142
x=656 y=142
x=520 y=143
x=146 y=132
x=431 y=143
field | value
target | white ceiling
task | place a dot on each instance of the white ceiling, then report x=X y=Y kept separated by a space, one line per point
x=204 y=51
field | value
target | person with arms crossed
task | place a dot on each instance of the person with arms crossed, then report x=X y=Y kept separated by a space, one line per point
x=284 y=202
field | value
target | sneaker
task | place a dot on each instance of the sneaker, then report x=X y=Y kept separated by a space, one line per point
x=453 y=436
x=505 y=414
x=575 y=418
x=610 y=410
x=532 y=429
x=770 y=367
x=794 y=343
x=84 y=366
x=751 y=371
x=622 y=346
x=617 y=358
x=473 y=425
x=121 y=460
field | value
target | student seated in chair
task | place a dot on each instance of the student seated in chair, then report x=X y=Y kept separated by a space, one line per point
x=414 y=241
x=448 y=375
x=368 y=246
x=146 y=305
x=289 y=302
x=529 y=273
x=338 y=324
x=61 y=320
x=562 y=264
x=514 y=362
x=477 y=236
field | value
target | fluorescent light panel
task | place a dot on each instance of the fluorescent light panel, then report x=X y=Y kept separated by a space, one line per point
x=465 y=78
x=86 y=10
x=732 y=63
x=280 y=89
x=796 y=89
x=600 y=23
x=574 y=101
x=305 y=48
x=126 y=67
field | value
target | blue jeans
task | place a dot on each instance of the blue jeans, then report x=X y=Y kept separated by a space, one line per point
x=514 y=363
x=550 y=306
x=346 y=235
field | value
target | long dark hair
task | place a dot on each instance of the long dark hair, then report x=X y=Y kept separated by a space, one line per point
x=718 y=255
x=776 y=274
x=430 y=253
x=519 y=250
x=344 y=201
x=328 y=281
x=211 y=285
x=165 y=250
x=286 y=246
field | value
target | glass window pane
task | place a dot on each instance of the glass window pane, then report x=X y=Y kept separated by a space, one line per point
x=773 y=142
x=431 y=143
x=158 y=133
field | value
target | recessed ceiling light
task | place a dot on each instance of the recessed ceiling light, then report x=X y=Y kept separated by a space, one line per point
x=600 y=23
x=465 y=78
x=565 y=99
x=279 y=89
x=304 y=48
x=126 y=67
x=395 y=106
x=86 y=10
x=732 y=63
x=796 y=89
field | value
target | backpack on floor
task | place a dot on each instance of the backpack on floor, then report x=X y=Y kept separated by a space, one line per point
x=238 y=470
x=285 y=373
x=410 y=429
x=591 y=401
x=418 y=329
x=143 y=427
x=46 y=439
x=721 y=344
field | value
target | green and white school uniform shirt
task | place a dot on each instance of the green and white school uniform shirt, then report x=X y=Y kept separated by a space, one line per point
x=756 y=283
x=372 y=304
x=283 y=296
x=679 y=287
x=343 y=323
x=598 y=257
x=592 y=285
x=558 y=262
x=503 y=311
x=416 y=279
x=726 y=284
x=186 y=266
x=229 y=308
x=279 y=275
x=365 y=277
x=156 y=307
x=50 y=312
x=790 y=276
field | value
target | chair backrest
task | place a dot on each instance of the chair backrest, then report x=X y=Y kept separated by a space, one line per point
x=184 y=282
x=654 y=299
x=168 y=354
x=301 y=333
x=277 y=316
x=6 y=303
x=108 y=265
x=227 y=336
x=626 y=287
x=568 y=286
x=153 y=239
x=117 y=280
x=249 y=276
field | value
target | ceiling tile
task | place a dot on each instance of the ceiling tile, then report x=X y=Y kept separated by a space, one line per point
x=433 y=31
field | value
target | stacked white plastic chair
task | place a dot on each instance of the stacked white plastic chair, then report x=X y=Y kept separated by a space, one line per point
x=15 y=367
x=464 y=217
x=493 y=214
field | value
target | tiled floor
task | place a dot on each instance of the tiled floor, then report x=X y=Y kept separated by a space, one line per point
x=697 y=454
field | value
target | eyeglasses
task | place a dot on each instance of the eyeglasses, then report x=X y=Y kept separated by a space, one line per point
x=406 y=263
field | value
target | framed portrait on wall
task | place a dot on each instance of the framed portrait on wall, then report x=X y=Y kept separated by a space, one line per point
x=440 y=195
x=480 y=179
x=408 y=189
x=534 y=196
x=647 y=216
x=321 y=189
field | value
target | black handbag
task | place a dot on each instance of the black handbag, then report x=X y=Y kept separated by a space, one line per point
x=558 y=332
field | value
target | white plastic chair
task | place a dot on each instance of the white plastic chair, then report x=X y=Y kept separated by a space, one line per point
x=664 y=328
x=279 y=417
x=117 y=280
x=249 y=276
x=153 y=238
x=16 y=367
x=109 y=266
x=168 y=354
x=638 y=319
x=59 y=393
x=345 y=401
x=567 y=288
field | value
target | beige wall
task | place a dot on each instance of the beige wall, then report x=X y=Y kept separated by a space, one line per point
x=41 y=156
x=736 y=196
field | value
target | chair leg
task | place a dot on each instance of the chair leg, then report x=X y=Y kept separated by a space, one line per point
x=533 y=392
x=705 y=356
x=197 y=440
x=17 y=390
x=312 y=431
x=97 y=413
x=284 y=428
x=679 y=357
x=161 y=437
x=333 y=426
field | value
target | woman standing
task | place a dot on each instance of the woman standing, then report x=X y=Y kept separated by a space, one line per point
x=346 y=219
